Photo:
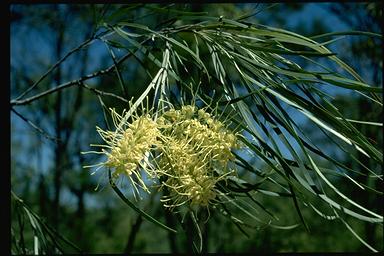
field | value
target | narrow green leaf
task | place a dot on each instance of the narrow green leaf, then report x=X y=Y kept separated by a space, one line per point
x=130 y=204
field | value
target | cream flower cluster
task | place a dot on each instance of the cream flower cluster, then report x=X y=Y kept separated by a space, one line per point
x=189 y=149
x=195 y=146
x=128 y=147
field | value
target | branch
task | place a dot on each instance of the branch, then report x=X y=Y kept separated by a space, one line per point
x=132 y=235
x=102 y=93
x=74 y=82
x=33 y=98
x=55 y=66
x=36 y=127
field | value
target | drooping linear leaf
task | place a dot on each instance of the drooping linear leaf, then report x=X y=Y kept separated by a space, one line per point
x=129 y=24
x=264 y=110
x=261 y=206
x=54 y=233
x=133 y=206
x=233 y=185
x=314 y=149
x=284 y=227
x=314 y=166
x=41 y=229
x=341 y=194
x=292 y=194
x=350 y=84
x=297 y=207
x=286 y=176
x=348 y=33
x=308 y=76
x=274 y=193
x=259 y=153
x=216 y=62
x=361 y=122
x=180 y=60
x=187 y=49
x=241 y=208
x=320 y=82
x=277 y=49
x=141 y=47
x=294 y=66
x=278 y=158
x=252 y=12
x=290 y=37
x=148 y=53
x=246 y=116
x=321 y=48
x=214 y=22
x=215 y=49
x=167 y=38
x=200 y=247
x=318 y=151
x=243 y=59
x=347 y=210
x=225 y=212
x=118 y=72
x=323 y=215
x=264 y=70
x=353 y=157
x=328 y=183
x=297 y=161
x=247 y=166
x=269 y=179
x=141 y=63
x=36 y=228
x=301 y=165
x=289 y=172
x=240 y=98
x=116 y=44
x=355 y=234
x=302 y=105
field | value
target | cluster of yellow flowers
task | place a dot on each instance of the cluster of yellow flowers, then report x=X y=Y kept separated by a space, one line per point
x=128 y=147
x=190 y=152
x=195 y=146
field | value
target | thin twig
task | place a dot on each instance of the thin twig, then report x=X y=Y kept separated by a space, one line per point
x=21 y=226
x=36 y=127
x=119 y=76
x=102 y=93
x=55 y=66
x=74 y=82
x=47 y=92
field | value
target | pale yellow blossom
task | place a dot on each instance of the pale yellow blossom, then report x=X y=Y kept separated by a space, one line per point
x=128 y=147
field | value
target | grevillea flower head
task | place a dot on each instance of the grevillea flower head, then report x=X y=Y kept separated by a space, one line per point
x=128 y=147
x=196 y=151
x=189 y=148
